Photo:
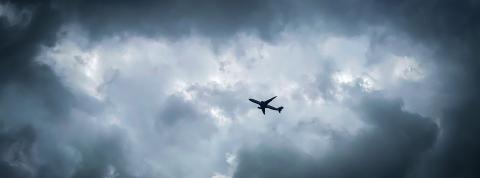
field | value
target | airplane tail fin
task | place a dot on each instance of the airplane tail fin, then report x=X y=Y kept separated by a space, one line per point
x=280 y=109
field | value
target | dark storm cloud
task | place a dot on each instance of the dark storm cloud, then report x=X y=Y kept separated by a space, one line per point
x=102 y=156
x=28 y=92
x=213 y=18
x=396 y=146
x=19 y=44
x=451 y=28
x=31 y=94
x=15 y=147
x=390 y=148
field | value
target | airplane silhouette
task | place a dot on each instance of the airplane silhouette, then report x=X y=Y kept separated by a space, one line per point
x=264 y=104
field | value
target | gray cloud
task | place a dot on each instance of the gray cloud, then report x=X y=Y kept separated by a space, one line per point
x=30 y=93
x=216 y=19
x=454 y=33
x=15 y=147
x=34 y=102
x=391 y=147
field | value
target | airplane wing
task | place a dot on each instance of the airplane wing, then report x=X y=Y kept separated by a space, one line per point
x=263 y=110
x=254 y=101
x=269 y=100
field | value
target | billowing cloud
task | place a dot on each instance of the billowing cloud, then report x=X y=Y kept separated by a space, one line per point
x=391 y=147
x=160 y=88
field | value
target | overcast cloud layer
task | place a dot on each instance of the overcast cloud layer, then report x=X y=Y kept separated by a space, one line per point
x=159 y=88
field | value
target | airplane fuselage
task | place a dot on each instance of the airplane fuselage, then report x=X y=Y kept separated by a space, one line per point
x=264 y=104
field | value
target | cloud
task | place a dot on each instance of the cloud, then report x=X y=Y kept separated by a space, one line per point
x=216 y=19
x=391 y=147
x=15 y=149
x=138 y=89
x=12 y=16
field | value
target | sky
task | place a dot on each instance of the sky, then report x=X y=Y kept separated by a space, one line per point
x=160 y=89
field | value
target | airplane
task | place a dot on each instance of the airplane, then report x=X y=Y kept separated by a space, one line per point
x=264 y=104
